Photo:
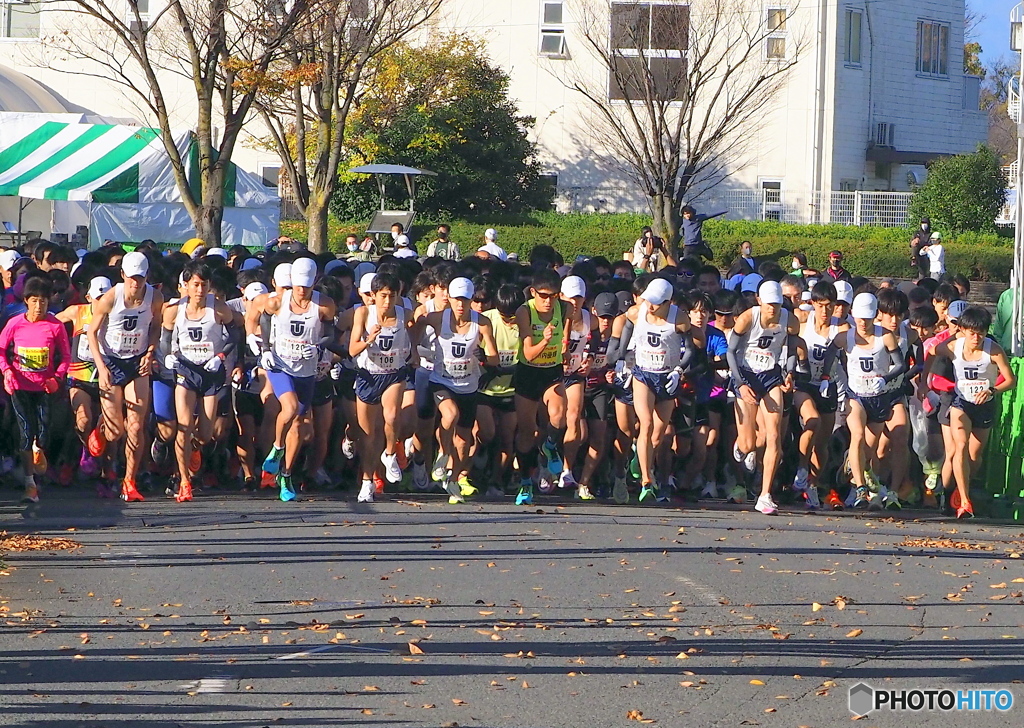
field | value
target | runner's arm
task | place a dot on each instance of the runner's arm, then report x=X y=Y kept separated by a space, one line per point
x=618 y=345
x=899 y=362
x=737 y=340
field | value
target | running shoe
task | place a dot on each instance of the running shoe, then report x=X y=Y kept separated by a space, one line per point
x=662 y=493
x=710 y=490
x=566 y=480
x=401 y=458
x=409 y=447
x=875 y=502
x=811 y=499
x=583 y=493
x=766 y=505
x=466 y=489
x=620 y=492
x=267 y=480
x=129 y=492
x=495 y=492
x=633 y=468
x=321 y=477
x=545 y=482
x=420 y=478
x=738 y=494
x=931 y=484
x=648 y=490
x=525 y=495
x=554 y=458
x=391 y=469
x=249 y=485
x=861 y=497
x=348 y=449
x=96 y=442
x=440 y=470
x=88 y=467
x=833 y=500
x=284 y=482
x=195 y=458
x=39 y=464
x=965 y=510
x=272 y=464
x=891 y=501
x=378 y=485
x=159 y=451
x=31 y=493
x=454 y=492
x=750 y=461
x=184 y=492
x=801 y=482
x=365 y=492
x=954 y=499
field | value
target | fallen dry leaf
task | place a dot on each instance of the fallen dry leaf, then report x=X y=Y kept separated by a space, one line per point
x=855 y=633
x=458 y=701
x=414 y=649
x=757 y=682
x=815 y=607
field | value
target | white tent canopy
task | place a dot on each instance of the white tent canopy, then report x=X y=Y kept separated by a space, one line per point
x=118 y=180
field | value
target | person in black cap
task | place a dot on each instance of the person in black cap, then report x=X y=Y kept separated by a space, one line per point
x=922 y=236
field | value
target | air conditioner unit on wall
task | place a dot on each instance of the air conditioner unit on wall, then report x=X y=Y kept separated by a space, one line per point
x=885 y=134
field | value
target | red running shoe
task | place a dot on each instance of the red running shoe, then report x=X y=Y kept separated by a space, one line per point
x=268 y=480
x=96 y=443
x=966 y=510
x=833 y=500
x=184 y=492
x=129 y=492
x=195 y=458
x=378 y=485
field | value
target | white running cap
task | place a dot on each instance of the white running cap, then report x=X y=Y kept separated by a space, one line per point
x=461 y=288
x=98 y=286
x=658 y=291
x=304 y=272
x=366 y=282
x=135 y=264
x=770 y=292
x=254 y=289
x=219 y=252
x=865 y=306
x=844 y=292
x=283 y=275
x=574 y=287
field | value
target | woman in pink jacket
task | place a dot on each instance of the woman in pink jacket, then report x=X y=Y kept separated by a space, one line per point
x=34 y=359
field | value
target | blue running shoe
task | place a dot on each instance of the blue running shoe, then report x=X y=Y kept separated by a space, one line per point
x=550 y=452
x=284 y=482
x=273 y=462
x=525 y=496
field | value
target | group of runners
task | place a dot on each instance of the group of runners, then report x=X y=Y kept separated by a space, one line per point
x=188 y=371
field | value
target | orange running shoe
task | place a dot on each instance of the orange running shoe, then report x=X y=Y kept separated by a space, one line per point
x=96 y=442
x=378 y=485
x=129 y=492
x=39 y=463
x=833 y=500
x=954 y=501
x=184 y=492
x=966 y=510
x=195 y=459
x=268 y=480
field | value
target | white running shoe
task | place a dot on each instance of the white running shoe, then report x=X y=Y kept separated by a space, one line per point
x=710 y=490
x=348 y=449
x=566 y=480
x=766 y=505
x=737 y=454
x=750 y=461
x=420 y=479
x=583 y=493
x=454 y=492
x=321 y=477
x=391 y=469
x=440 y=470
x=410 y=448
x=811 y=498
x=366 y=492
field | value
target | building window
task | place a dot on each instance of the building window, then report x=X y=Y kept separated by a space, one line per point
x=775 y=45
x=271 y=175
x=19 y=19
x=648 y=49
x=854 y=19
x=932 y=48
x=552 y=30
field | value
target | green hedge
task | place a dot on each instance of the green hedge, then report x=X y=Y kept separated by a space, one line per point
x=869 y=251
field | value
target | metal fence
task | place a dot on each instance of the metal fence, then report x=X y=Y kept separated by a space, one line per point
x=884 y=209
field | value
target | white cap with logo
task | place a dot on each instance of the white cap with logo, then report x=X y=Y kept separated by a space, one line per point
x=574 y=287
x=844 y=292
x=304 y=272
x=366 y=282
x=770 y=292
x=98 y=286
x=461 y=288
x=135 y=264
x=254 y=289
x=658 y=291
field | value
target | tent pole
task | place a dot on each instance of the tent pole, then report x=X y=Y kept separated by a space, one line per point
x=21 y=209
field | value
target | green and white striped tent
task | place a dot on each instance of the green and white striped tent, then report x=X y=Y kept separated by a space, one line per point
x=118 y=180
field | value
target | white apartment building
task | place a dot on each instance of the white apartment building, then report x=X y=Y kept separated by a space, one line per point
x=877 y=91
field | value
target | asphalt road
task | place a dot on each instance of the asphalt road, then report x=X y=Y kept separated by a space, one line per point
x=234 y=611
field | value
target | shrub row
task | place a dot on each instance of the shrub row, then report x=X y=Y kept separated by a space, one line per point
x=869 y=251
